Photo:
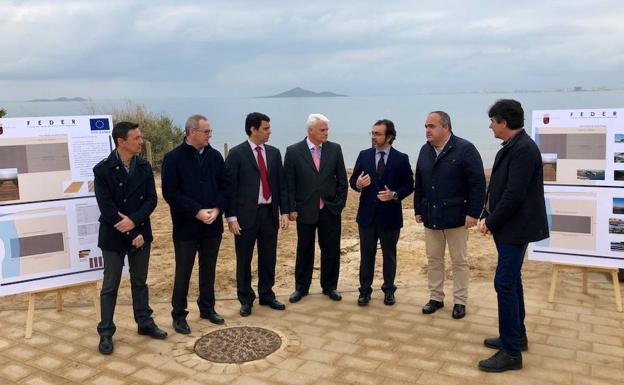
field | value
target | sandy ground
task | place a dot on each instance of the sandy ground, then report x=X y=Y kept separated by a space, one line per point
x=412 y=261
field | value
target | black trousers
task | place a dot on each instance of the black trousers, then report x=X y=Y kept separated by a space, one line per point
x=369 y=235
x=329 y=228
x=264 y=232
x=138 y=261
x=185 y=251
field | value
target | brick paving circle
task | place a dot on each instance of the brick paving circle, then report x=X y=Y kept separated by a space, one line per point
x=237 y=344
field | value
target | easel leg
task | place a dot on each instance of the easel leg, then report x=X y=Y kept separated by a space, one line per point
x=585 y=280
x=96 y=300
x=30 y=316
x=616 y=288
x=553 y=283
x=59 y=300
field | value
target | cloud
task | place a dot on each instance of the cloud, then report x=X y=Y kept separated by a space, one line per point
x=359 y=47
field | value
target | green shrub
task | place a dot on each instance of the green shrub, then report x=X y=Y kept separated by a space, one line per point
x=158 y=129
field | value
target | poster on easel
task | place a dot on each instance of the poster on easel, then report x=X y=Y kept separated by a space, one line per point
x=583 y=164
x=48 y=212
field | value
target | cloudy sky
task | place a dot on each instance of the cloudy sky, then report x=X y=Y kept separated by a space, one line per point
x=143 y=48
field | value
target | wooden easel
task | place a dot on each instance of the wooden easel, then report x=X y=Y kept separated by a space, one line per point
x=59 y=301
x=612 y=270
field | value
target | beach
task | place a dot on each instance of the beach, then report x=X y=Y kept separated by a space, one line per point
x=411 y=262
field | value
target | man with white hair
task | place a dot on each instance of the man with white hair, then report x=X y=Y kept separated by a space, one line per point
x=317 y=193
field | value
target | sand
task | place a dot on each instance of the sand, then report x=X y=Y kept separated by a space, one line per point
x=411 y=261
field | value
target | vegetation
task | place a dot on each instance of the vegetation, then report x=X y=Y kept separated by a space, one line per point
x=158 y=129
x=2 y=112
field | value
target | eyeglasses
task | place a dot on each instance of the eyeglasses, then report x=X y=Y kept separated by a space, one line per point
x=207 y=132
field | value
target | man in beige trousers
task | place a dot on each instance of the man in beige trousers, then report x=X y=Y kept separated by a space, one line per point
x=449 y=192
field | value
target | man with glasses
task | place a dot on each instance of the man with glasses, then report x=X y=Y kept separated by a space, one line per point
x=448 y=197
x=384 y=178
x=194 y=185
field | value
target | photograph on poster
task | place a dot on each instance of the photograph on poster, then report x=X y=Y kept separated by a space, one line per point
x=9 y=186
x=618 y=175
x=616 y=226
x=619 y=138
x=585 y=174
x=618 y=205
x=618 y=157
x=549 y=165
x=617 y=246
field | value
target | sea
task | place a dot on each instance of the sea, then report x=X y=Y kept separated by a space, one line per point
x=351 y=118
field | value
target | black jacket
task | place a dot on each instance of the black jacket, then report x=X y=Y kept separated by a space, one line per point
x=517 y=212
x=133 y=195
x=306 y=185
x=449 y=187
x=192 y=181
x=244 y=183
x=397 y=176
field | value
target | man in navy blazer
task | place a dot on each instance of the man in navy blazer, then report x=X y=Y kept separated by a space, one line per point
x=384 y=178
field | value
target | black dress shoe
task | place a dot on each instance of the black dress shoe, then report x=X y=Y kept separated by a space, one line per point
x=459 y=311
x=501 y=361
x=153 y=331
x=364 y=299
x=245 y=310
x=106 y=345
x=181 y=326
x=389 y=299
x=496 y=343
x=273 y=304
x=213 y=317
x=296 y=296
x=333 y=294
x=432 y=306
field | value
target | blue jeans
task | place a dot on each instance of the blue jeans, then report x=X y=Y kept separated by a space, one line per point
x=508 y=285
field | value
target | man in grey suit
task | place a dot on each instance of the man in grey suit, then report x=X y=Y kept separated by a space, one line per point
x=257 y=195
x=317 y=193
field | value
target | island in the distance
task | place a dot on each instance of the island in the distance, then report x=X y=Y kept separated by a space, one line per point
x=299 y=92
x=62 y=99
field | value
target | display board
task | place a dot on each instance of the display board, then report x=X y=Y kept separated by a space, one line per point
x=48 y=213
x=583 y=163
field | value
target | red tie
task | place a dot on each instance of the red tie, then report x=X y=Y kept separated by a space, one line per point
x=264 y=176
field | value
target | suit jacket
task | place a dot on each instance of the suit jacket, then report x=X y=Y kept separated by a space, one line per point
x=133 y=195
x=397 y=176
x=449 y=186
x=306 y=185
x=517 y=212
x=192 y=181
x=244 y=181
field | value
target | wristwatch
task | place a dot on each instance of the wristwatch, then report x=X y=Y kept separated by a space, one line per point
x=395 y=196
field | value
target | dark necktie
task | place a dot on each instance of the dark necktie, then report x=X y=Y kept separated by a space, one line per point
x=381 y=165
x=264 y=176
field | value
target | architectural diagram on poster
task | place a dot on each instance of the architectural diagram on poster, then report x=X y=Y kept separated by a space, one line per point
x=48 y=213
x=583 y=164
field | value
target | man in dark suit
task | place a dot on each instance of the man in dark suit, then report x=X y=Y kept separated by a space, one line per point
x=448 y=197
x=317 y=193
x=258 y=195
x=384 y=177
x=194 y=185
x=126 y=196
x=515 y=214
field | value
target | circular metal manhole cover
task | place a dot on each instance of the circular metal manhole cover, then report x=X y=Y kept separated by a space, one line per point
x=237 y=344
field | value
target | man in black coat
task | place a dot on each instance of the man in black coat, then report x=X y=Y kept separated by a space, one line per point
x=194 y=185
x=448 y=197
x=384 y=178
x=317 y=193
x=257 y=196
x=126 y=196
x=515 y=214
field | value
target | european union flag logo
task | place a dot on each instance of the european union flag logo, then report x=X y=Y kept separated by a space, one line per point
x=99 y=124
